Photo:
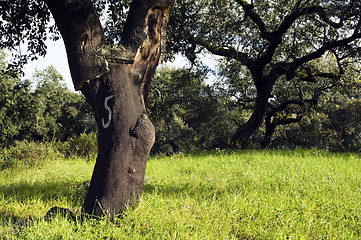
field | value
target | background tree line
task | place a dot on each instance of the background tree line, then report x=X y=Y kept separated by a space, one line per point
x=40 y=109
x=288 y=76
x=192 y=115
x=189 y=114
x=273 y=43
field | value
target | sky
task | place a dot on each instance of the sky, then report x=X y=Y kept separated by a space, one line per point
x=56 y=56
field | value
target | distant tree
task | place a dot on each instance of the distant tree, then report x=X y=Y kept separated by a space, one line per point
x=49 y=96
x=179 y=102
x=169 y=100
x=328 y=123
x=293 y=99
x=44 y=112
x=342 y=110
x=271 y=39
x=60 y=113
x=188 y=114
x=15 y=106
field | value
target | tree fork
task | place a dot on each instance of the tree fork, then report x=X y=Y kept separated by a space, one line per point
x=115 y=81
x=246 y=130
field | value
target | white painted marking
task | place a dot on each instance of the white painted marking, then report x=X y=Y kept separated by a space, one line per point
x=106 y=125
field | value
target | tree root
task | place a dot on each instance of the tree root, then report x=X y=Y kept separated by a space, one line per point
x=69 y=213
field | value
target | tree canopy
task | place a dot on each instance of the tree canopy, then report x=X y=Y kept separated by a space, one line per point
x=41 y=108
x=27 y=24
x=271 y=39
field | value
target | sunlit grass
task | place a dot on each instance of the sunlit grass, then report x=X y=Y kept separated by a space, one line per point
x=30 y=192
x=300 y=194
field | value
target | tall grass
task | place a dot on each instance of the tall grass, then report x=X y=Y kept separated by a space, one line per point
x=266 y=194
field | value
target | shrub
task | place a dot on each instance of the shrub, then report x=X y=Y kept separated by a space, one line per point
x=27 y=154
x=83 y=146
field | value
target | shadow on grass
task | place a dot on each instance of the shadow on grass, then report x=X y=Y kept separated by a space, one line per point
x=194 y=190
x=22 y=192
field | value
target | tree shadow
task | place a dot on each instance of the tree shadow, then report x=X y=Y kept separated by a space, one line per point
x=193 y=190
x=22 y=192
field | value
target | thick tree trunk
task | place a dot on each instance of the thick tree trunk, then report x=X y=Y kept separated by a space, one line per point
x=115 y=81
x=125 y=138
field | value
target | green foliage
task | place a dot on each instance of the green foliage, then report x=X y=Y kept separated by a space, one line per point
x=27 y=154
x=266 y=194
x=24 y=20
x=331 y=126
x=188 y=114
x=83 y=146
x=29 y=21
x=264 y=43
x=45 y=112
x=59 y=113
x=333 y=122
x=15 y=105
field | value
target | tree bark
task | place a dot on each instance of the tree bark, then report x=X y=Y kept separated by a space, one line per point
x=125 y=138
x=270 y=129
x=115 y=81
x=245 y=131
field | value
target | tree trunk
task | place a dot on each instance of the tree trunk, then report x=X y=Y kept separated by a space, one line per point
x=125 y=138
x=170 y=138
x=115 y=81
x=270 y=129
x=245 y=131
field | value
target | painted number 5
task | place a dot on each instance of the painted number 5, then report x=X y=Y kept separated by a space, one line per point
x=106 y=125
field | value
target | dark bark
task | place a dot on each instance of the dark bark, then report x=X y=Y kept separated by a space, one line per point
x=272 y=120
x=174 y=146
x=171 y=138
x=125 y=138
x=264 y=85
x=272 y=125
x=245 y=131
x=270 y=129
x=115 y=81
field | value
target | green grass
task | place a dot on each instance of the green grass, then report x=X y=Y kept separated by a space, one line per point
x=302 y=194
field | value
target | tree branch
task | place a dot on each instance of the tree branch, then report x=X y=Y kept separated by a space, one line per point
x=326 y=46
x=284 y=105
x=248 y=10
x=275 y=37
x=310 y=77
x=228 y=52
x=290 y=120
x=135 y=29
x=288 y=20
x=83 y=37
x=144 y=35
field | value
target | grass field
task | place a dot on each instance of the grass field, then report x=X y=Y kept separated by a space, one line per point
x=252 y=194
